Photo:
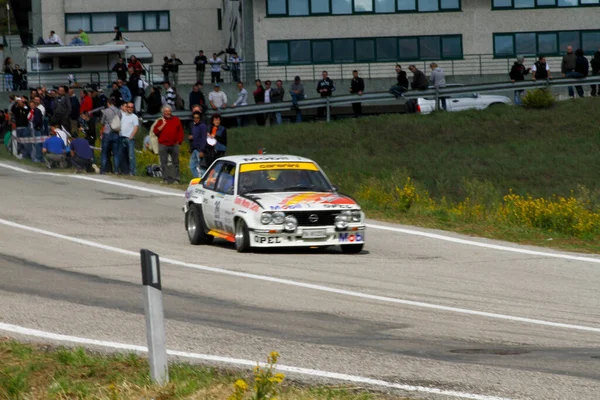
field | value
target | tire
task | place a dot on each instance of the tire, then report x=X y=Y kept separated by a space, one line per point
x=352 y=248
x=196 y=227
x=242 y=236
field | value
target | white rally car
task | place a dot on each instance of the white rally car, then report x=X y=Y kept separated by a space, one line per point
x=271 y=201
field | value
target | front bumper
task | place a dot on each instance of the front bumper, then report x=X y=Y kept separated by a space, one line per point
x=355 y=234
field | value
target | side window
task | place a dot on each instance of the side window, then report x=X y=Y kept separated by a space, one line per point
x=211 y=176
x=226 y=178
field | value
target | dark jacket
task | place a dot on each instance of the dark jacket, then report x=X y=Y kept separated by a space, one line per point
x=121 y=70
x=74 y=108
x=259 y=95
x=20 y=115
x=419 y=81
x=154 y=103
x=174 y=64
x=357 y=85
x=98 y=101
x=38 y=119
x=62 y=107
x=402 y=79
x=582 y=66
x=116 y=94
x=132 y=85
x=568 y=63
x=198 y=132
x=277 y=95
x=196 y=98
x=540 y=70
x=518 y=72
x=326 y=84
x=595 y=63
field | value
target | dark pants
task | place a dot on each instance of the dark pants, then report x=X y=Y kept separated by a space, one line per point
x=595 y=88
x=235 y=75
x=357 y=109
x=91 y=132
x=24 y=145
x=321 y=111
x=82 y=163
x=163 y=153
x=110 y=145
x=215 y=77
x=56 y=159
x=579 y=88
x=398 y=90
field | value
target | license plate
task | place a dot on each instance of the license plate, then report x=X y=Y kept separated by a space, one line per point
x=314 y=234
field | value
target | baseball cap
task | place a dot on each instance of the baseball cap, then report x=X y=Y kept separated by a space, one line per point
x=297 y=78
x=217 y=84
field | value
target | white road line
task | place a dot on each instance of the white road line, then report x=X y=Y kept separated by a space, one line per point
x=306 y=285
x=236 y=361
x=372 y=226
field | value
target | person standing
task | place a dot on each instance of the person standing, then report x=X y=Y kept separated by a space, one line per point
x=130 y=125
x=438 y=80
x=170 y=94
x=242 y=100
x=268 y=89
x=540 y=69
x=200 y=62
x=297 y=93
x=62 y=109
x=325 y=88
x=582 y=69
x=595 y=64
x=20 y=113
x=170 y=135
x=135 y=64
x=196 y=97
x=217 y=98
x=36 y=124
x=218 y=132
x=174 y=63
x=118 y=34
x=277 y=95
x=75 y=110
x=8 y=74
x=235 y=67
x=259 y=98
x=357 y=86
x=567 y=67
x=517 y=74
x=215 y=68
x=124 y=90
x=111 y=126
x=197 y=139
x=166 y=69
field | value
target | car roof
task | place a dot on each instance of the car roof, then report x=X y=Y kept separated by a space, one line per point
x=256 y=158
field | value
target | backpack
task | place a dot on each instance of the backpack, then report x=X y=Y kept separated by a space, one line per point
x=154 y=171
x=115 y=124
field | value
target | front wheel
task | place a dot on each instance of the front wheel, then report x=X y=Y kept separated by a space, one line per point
x=196 y=227
x=242 y=236
x=352 y=248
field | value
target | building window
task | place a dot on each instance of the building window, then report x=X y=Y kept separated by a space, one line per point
x=127 y=21
x=509 y=4
x=544 y=43
x=355 y=50
x=297 y=8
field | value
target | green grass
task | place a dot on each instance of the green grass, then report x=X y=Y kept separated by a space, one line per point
x=35 y=372
x=479 y=155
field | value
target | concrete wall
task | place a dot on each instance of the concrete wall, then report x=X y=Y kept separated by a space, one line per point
x=476 y=23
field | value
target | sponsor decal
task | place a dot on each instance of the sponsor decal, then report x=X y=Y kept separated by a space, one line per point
x=269 y=240
x=217 y=209
x=351 y=237
x=188 y=195
x=306 y=166
x=290 y=207
x=266 y=158
x=245 y=203
x=324 y=199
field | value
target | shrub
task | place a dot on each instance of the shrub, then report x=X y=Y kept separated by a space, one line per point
x=539 y=98
x=266 y=382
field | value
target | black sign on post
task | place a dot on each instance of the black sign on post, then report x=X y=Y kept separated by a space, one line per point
x=150 y=269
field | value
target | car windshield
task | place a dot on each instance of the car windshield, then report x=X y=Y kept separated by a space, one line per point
x=254 y=179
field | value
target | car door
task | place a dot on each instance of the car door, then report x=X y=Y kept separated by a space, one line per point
x=209 y=183
x=223 y=209
x=462 y=102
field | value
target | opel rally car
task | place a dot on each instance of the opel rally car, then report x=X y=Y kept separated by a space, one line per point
x=271 y=201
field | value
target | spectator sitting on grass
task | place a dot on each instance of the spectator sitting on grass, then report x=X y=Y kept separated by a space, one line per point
x=55 y=150
x=82 y=156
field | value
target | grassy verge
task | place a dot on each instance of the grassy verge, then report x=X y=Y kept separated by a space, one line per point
x=42 y=372
x=462 y=166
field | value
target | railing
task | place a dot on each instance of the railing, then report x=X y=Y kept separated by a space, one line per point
x=470 y=65
x=329 y=102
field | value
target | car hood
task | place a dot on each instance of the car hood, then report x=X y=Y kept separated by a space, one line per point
x=303 y=201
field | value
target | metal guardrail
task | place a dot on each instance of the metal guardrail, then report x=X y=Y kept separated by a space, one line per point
x=329 y=102
x=469 y=65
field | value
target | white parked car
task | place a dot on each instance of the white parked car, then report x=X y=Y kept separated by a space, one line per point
x=459 y=102
x=271 y=201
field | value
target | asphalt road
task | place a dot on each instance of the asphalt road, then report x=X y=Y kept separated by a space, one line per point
x=59 y=286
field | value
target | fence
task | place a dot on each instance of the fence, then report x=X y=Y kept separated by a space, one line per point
x=334 y=101
x=470 y=65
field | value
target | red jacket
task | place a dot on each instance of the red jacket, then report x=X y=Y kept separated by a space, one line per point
x=86 y=104
x=171 y=134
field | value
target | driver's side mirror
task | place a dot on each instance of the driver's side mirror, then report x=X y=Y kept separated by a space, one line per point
x=335 y=188
x=475 y=95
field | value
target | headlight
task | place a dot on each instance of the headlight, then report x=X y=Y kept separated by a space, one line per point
x=290 y=223
x=266 y=218
x=356 y=216
x=342 y=220
x=278 y=217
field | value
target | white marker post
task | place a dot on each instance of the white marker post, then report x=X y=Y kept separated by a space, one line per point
x=155 y=320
